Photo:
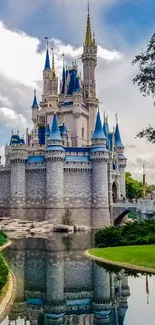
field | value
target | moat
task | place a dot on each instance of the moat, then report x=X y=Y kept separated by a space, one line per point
x=57 y=284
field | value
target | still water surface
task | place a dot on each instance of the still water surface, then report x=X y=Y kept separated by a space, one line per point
x=57 y=284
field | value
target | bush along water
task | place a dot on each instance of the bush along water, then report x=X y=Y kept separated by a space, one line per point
x=3 y=238
x=135 y=233
x=4 y=271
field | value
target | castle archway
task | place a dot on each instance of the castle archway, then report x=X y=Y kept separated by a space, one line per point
x=114 y=192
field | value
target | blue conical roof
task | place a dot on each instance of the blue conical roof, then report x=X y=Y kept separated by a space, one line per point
x=55 y=132
x=47 y=61
x=118 y=140
x=98 y=133
x=106 y=132
x=34 y=104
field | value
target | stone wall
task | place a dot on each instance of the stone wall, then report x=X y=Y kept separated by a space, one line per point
x=5 y=185
x=36 y=188
x=18 y=184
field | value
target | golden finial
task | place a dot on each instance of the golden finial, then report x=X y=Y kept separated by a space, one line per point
x=34 y=92
x=107 y=118
x=88 y=41
x=104 y=117
x=116 y=116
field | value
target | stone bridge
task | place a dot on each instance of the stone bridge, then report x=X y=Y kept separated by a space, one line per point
x=121 y=209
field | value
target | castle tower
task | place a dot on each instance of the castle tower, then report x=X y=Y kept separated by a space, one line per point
x=77 y=103
x=54 y=162
x=89 y=60
x=46 y=75
x=119 y=147
x=18 y=178
x=99 y=156
x=35 y=110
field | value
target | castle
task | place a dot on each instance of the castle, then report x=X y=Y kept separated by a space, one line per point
x=69 y=160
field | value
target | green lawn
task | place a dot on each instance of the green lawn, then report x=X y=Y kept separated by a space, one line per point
x=134 y=255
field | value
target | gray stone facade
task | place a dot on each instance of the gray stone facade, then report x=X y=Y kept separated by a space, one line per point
x=42 y=191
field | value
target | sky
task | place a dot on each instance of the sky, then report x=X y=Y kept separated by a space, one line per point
x=122 y=29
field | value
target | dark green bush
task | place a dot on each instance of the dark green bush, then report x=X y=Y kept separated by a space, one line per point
x=135 y=233
x=3 y=238
x=3 y=273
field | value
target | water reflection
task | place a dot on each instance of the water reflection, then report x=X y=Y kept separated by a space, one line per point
x=58 y=285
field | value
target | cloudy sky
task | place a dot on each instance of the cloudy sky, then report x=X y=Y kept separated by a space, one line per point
x=122 y=28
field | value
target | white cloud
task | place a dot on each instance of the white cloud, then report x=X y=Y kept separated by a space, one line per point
x=12 y=119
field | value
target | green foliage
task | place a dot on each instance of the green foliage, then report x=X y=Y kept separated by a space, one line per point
x=3 y=238
x=132 y=215
x=145 y=80
x=134 y=188
x=150 y=188
x=67 y=218
x=3 y=273
x=133 y=233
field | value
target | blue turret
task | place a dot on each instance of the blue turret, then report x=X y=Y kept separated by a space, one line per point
x=35 y=103
x=98 y=133
x=118 y=140
x=47 y=61
x=55 y=132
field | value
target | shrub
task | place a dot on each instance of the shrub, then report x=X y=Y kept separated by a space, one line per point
x=3 y=238
x=3 y=273
x=67 y=218
x=136 y=233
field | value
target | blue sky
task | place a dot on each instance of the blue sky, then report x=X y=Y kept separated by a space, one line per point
x=122 y=28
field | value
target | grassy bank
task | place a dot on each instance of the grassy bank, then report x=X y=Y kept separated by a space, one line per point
x=140 y=256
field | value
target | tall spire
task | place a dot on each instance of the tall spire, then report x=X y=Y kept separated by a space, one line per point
x=63 y=76
x=47 y=60
x=52 y=74
x=35 y=103
x=88 y=40
x=118 y=140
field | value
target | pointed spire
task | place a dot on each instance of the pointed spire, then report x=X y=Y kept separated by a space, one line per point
x=98 y=133
x=35 y=104
x=63 y=76
x=47 y=60
x=52 y=72
x=106 y=130
x=88 y=40
x=55 y=132
x=118 y=140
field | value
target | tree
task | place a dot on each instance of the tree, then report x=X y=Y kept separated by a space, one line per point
x=134 y=188
x=145 y=80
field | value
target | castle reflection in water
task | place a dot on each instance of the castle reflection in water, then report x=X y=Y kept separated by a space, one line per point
x=57 y=284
